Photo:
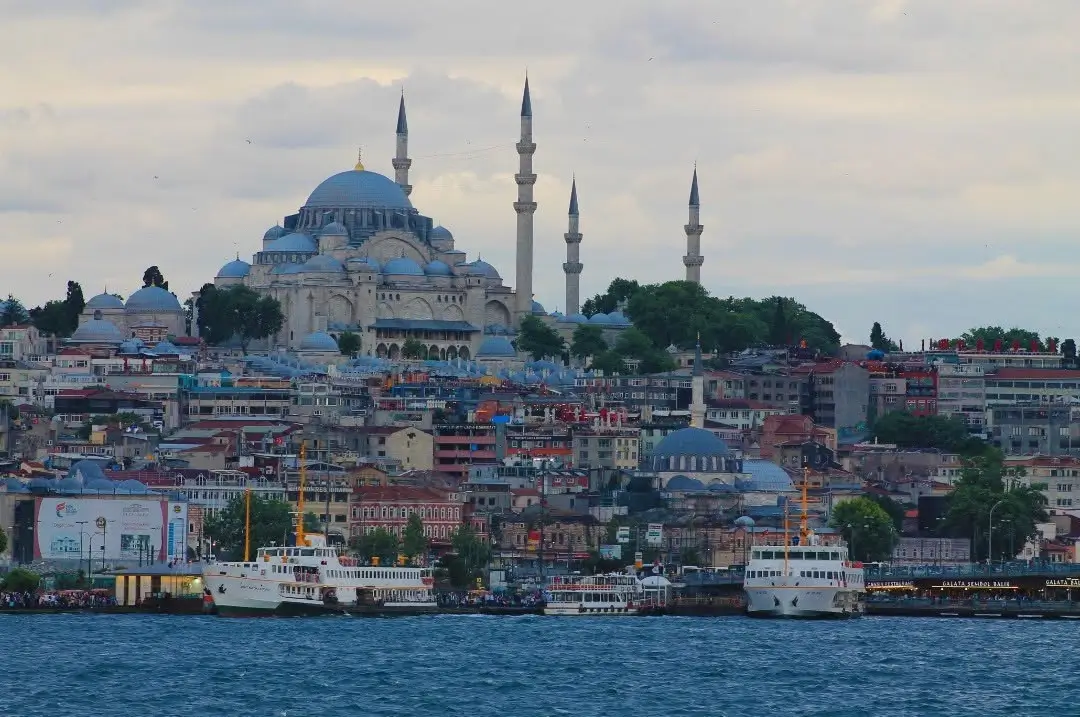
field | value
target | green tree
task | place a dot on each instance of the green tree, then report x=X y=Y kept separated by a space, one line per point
x=893 y=508
x=689 y=556
x=414 y=543
x=20 y=580
x=3 y=541
x=271 y=522
x=779 y=335
x=473 y=552
x=51 y=318
x=538 y=339
x=618 y=293
x=348 y=343
x=238 y=311
x=945 y=433
x=879 y=340
x=1068 y=350
x=74 y=303
x=866 y=527
x=379 y=543
x=588 y=340
x=413 y=349
x=990 y=334
x=153 y=277
x=13 y=312
x=211 y=327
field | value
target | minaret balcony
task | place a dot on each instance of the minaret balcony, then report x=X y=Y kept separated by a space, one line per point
x=572 y=237
x=525 y=179
x=524 y=147
x=524 y=207
x=693 y=260
x=693 y=230
x=573 y=267
x=401 y=163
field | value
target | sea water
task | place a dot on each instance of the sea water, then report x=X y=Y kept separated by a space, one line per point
x=481 y=666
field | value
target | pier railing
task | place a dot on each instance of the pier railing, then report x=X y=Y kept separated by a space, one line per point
x=1014 y=569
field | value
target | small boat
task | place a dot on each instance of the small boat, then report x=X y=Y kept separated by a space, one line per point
x=608 y=594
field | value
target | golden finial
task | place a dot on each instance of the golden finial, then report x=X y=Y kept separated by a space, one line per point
x=359 y=160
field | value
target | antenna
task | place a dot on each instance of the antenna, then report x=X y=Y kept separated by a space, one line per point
x=300 y=539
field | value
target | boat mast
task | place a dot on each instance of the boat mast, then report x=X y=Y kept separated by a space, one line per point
x=247 y=522
x=804 y=529
x=300 y=539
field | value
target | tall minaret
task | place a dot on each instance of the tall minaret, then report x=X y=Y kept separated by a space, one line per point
x=697 y=389
x=525 y=206
x=693 y=258
x=401 y=162
x=573 y=265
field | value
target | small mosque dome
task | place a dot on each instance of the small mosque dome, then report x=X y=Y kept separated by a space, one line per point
x=103 y=302
x=336 y=229
x=403 y=266
x=496 y=347
x=98 y=331
x=538 y=308
x=318 y=341
x=438 y=268
x=482 y=268
x=166 y=348
x=235 y=269
x=576 y=319
x=295 y=242
x=364 y=263
x=618 y=318
x=152 y=298
x=131 y=346
x=358 y=189
x=600 y=319
x=440 y=233
x=693 y=449
x=557 y=315
x=275 y=232
x=323 y=264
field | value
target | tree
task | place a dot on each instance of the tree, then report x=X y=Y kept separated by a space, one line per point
x=866 y=527
x=618 y=293
x=892 y=507
x=13 y=312
x=348 y=343
x=778 y=328
x=413 y=349
x=74 y=303
x=51 y=318
x=939 y=432
x=473 y=552
x=379 y=543
x=153 y=277
x=237 y=311
x=271 y=522
x=3 y=541
x=414 y=543
x=20 y=580
x=1068 y=350
x=588 y=340
x=689 y=556
x=989 y=334
x=879 y=340
x=538 y=339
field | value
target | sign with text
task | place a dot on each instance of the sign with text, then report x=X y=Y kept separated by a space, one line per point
x=622 y=535
x=654 y=535
x=611 y=552
x=77 y=528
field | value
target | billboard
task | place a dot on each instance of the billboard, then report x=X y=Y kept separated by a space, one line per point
x=177 y=536
x=77 y=528
x=622 y=535
x=655 y=534
x=611 y=552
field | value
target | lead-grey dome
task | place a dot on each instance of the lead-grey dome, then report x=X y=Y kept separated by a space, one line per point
x=152 y=298
x=295 y=242
x=693 y=450
x=318 y=341
x=103 y=301
x=402 y=266
x=98 y=331
x=324 y=264
x=358 y=189
x=496 y=347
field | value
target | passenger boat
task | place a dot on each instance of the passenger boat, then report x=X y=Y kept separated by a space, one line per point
x=806 y=580
x=310 y=578
x=610 y=594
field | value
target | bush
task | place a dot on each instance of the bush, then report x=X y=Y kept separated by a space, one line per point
x=20 y=580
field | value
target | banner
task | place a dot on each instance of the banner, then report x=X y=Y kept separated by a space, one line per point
x=655 y=534
x=78 y=528
x=622 y=535
x=178 y=531
x=611 y=552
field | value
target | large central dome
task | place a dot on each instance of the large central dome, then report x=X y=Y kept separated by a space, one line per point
x=358 y=189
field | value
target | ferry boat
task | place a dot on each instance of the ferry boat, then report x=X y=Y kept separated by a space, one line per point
x=609 y=594
x=806 y=580
x=310 y=578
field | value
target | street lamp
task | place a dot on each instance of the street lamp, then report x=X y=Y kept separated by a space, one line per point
x=81 y=534
x=990 y=534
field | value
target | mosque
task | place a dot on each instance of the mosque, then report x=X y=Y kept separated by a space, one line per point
x=358 y=256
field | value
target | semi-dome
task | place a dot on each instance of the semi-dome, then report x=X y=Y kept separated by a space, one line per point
x=98 y=331
x=324 y=264
x=275 y=232
x=440 y=233
x=403 y=266
x=318 y=341
x=538 y=308
x=358 y=189
x=576 y=319
x=235 y=269
x=102 y=301
x=166 y=348
x=496 y=347
x=482 y=268
x=295 y=242
x=438 y=268
x=693 y=449
x=152 y=298
x=600 y=319
x=336 y=229
x=364 y=263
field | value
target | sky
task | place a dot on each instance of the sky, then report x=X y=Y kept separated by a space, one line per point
x=904 y=161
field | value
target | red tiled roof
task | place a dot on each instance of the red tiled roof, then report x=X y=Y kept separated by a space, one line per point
x=1033 y=373
x=398 y=493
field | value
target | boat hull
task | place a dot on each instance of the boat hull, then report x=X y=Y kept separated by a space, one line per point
x=780 y=601
x=588 y=610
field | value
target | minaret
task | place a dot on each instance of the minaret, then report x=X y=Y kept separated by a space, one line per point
x=401 y=160
x=693 y=258
x=697 y=388
x=525 y=206
x=572 y=267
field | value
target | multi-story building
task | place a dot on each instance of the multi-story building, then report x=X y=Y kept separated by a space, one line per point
x=931 y=551
x=662 y=391
x=920 y=386
x=1057 y=476
x=19 y=380
x=21 y=342
x=1006 y=386
x=1033 y=428
x=742 y=414
x=788 y=392
x=651 y=433
x=272 y=398
x=839 y=395
x=212 y=491
x=458 y=445
x=961 y=391
x=607 y=448
x=389 y=508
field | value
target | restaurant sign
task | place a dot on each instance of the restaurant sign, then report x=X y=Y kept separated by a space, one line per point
x=1064 y=583
x=978 y=584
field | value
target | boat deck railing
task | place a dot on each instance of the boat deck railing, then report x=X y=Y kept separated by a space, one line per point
x=1009 y=569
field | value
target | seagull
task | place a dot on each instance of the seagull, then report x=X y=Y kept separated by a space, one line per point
x=155 y=176
x=650 y=59
x=248 y=141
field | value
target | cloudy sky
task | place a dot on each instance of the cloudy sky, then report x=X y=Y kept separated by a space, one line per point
x=913 y=162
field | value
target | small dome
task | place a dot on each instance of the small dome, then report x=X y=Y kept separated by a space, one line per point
x=403 y=266
x=576 y=319
x=358 y=189
x=275 y=232
x=152 y=298
x=438 y=268
x=235 y=269
x=98 y=331
x=166 y=348
x=693 y=449
x=85 y=471
x=618 y=318
x=101 y=301
x=440 y=233
x=334 y=229
x=538 y=308
x=600 y=319
x=131 y=346
x=496 y=347
x=323 y=264
x=318 y=341
x=286 y=269
x=295 y=242
x=364 y=263
x=557 y=315
x=482 y=268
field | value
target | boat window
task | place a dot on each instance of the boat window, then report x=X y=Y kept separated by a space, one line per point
x=307 y=552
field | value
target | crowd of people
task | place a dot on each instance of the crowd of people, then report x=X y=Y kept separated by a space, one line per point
x=59 y=600
x=484 y=598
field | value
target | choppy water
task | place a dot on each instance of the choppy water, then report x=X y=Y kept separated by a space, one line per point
x=60 y=665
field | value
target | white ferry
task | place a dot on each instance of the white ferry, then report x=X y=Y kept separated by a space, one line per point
x=610 y=594
x=804 y=580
